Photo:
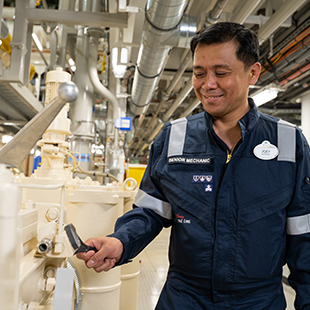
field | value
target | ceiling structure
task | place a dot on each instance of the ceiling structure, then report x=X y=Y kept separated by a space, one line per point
x=156 y=85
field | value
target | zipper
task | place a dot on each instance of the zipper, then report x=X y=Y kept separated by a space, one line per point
x=229 y=153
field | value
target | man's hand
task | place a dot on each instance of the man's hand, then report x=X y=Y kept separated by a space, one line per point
x=109 y=252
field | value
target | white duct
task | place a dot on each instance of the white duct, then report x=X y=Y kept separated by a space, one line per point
x=162 y=18
x=277 y=19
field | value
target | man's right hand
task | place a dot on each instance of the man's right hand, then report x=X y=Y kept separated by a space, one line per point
x=110 y=250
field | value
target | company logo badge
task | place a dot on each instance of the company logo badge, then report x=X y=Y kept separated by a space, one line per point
x=209 y=188
x=181 y=219
x=202 y=178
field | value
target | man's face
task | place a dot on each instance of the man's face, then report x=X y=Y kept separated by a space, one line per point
x=220 y=80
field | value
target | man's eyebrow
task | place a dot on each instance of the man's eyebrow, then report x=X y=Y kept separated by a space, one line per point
x=214 y=66
x=221 y=66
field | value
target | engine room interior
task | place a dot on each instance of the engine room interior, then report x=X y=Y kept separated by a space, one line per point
x=85 y=88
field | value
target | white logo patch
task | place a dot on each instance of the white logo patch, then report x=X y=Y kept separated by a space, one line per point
x=266 y=151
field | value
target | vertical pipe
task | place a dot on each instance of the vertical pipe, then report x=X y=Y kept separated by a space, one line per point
x=305 y=113
x=9 y=240
x=81 y=113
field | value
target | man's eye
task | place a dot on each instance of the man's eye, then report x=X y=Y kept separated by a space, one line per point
x=199 y=75
x=221 y=73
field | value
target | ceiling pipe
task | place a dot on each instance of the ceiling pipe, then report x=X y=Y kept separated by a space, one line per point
x=185 y=63
x=214 y=15
x=178 y=101
x=277 y=19
x=243 y=11
x=162 y=19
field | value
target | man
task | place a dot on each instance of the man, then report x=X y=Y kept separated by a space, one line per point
x=234 y=186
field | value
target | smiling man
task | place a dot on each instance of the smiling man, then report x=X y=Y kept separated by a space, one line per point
x=234 y=186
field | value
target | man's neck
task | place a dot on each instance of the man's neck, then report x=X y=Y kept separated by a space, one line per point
x=228 y=129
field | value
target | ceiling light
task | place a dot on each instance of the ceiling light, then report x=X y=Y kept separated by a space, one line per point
x=6 y=138
x=118 y=69
x=266 y=94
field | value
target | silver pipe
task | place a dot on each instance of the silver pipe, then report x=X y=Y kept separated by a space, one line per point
x=162 y=18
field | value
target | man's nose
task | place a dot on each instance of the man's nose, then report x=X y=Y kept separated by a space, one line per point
x=209 y=82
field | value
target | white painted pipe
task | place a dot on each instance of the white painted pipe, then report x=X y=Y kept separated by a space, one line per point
x=243 y=11
x=99 y=87
x=184 y=93
x=9 y=240
x=277 y=19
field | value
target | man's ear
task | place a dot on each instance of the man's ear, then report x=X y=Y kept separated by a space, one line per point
x=254 y=73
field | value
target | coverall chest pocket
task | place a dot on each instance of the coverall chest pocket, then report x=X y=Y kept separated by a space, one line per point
x=261 y=237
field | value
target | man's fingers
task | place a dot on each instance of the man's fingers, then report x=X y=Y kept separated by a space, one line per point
x=106 y=265
x=85 y=255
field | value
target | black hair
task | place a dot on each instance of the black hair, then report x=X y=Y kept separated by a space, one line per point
x=222 y=32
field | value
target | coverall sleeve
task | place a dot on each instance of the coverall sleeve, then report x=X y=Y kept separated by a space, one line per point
x=151 y=211
x=298 y=228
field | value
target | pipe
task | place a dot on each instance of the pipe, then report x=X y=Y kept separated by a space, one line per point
x=99 y=87
x=193 y=105
x=162 y=19
x=277 y=19
x=215 y=13
x=184 y=93
x=243 y=11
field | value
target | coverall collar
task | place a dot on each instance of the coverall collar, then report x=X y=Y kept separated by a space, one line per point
x=247 y=122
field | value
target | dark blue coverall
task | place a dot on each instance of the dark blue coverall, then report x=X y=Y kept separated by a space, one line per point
x=236 y=217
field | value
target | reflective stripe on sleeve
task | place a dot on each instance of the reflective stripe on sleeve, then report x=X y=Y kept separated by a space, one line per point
x=163 y=208
x=298 y=225
x=177 y=137
x=286 y=141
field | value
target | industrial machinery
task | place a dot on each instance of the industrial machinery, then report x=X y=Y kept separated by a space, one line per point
x=64 y=175
x=41 y=215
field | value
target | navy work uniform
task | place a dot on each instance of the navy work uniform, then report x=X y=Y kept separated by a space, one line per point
x=236 y=216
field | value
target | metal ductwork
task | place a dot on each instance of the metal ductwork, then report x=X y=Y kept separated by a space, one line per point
x=162 y=20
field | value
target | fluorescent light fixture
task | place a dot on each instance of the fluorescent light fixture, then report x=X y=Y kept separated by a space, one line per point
x=118 y=70
x=6 y=138
x=71 y=62
x=124 y=55
x=37 y=41
x=266 y=94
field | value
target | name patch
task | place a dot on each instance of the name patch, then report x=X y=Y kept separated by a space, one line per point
x=190 y=160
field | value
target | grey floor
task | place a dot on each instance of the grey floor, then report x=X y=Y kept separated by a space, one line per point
x=153 y=263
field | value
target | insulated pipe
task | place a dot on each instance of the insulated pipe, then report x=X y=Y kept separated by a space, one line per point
x=277 y=19
x=243 y=11
x=162 y=19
